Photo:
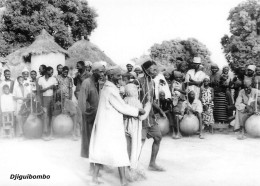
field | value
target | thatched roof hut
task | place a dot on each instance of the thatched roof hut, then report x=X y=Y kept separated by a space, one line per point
x=44 y=44
x=44 y=50
x=16 y=57
x=84 y=50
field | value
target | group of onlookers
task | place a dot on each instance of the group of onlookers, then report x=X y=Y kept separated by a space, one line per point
x=51 y=95
x=219 y=98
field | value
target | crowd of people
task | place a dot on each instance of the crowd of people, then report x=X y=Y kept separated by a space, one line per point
x=114 y=112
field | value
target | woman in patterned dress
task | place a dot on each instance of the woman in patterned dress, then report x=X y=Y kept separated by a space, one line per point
x=207 y=97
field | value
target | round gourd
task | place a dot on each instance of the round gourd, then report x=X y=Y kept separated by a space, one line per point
x=62 y=125
x=189 y=124
x=33 y=127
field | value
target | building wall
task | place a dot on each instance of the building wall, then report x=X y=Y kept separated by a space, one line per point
x=52 y=59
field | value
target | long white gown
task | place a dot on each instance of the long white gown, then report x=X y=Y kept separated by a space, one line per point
x=108 y=144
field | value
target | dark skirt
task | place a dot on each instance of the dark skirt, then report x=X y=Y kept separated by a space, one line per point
x=220 y=107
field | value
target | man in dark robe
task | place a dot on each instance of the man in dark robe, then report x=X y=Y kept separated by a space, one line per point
x=80 y=76
x=88 y=102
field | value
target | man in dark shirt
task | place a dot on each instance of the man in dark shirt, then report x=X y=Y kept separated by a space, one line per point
x=150 y=127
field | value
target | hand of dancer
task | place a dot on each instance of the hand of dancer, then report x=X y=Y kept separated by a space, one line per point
x=141 y=111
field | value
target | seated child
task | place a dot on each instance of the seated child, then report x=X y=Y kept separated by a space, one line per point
x=178 y=96
x=166 y=106
x=7 y=104
x=207 y=97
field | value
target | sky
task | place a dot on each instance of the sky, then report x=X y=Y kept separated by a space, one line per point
x=128 y=28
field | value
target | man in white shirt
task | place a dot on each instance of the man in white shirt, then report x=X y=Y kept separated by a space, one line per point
x=47 y=86
x=195 y=77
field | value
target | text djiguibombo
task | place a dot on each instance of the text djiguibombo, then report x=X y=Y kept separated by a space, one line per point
x=29 y=177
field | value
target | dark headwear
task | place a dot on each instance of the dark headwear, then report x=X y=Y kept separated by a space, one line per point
x=148 y=64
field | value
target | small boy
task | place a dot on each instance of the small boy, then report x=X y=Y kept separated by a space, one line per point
x=7 y=106
x=178 y=96
x=20 y=94
x=7 y=101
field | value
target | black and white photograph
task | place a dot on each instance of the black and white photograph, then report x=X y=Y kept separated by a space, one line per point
x=129 y=92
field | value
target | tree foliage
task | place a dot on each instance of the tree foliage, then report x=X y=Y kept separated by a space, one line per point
x=242 y=47
x=66 y=20
x=168 y=52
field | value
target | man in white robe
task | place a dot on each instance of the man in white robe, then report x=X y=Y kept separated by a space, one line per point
x=108 y=144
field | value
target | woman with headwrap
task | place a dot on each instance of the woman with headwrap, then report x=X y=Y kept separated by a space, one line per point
x=249 y=76
x=223 y=102
x=215 y=75
x=227 y=72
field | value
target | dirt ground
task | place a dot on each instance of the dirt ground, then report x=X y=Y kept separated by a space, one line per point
x=218 y=160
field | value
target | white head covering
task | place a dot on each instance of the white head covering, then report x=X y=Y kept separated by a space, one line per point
x=103 y=63
x=25 y=70
x=97 y=65
x=207 y=77
x=251 y=67
x=196 y=60
x=113 y=70
x=88 y=63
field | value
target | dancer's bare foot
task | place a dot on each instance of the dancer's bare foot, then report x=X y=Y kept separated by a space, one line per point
x=154 y=167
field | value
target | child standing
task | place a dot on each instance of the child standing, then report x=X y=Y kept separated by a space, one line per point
x=207 y=97
x=178 y=96
x=7 y=105
x=20 y=95
x=7 y=101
